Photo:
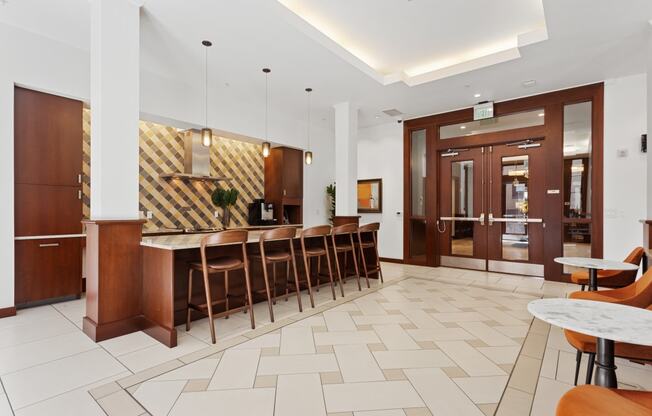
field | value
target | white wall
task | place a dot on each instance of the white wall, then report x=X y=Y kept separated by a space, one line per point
x=43 y=64
x=649 y=121
x=625 y=178
x=380 y=155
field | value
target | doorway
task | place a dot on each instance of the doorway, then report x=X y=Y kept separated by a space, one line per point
x=491 y=201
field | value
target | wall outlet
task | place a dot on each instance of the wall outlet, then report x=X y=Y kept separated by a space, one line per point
x=217 y=214
x=622 y=152
x=150 y=215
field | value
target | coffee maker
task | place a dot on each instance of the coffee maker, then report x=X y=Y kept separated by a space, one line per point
x=261 y=213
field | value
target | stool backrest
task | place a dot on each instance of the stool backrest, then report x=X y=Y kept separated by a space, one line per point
x=223 y=238
x=318 y=231
x=281 y=233
x=345 y=229
x=369 y=228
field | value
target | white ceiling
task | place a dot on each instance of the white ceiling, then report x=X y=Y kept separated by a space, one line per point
x=588 y=41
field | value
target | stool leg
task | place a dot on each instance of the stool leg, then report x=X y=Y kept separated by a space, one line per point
x=319 y=271
x=274 y=283
x=364 y=264
x=330 y=271
x=209 y=306
x=226 y=293
x=307 y=265
x=589 y=368
x=355 y=264
x=287 y=279
x=189 y=300
x=296 y=277
x=269 y=295
x=248 y=296
x=380 y=271
x=578 y=361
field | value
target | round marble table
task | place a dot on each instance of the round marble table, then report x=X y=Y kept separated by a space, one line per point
x=593 y=265
x=608 y=322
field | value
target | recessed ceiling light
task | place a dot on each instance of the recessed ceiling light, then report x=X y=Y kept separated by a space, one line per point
x=377 y=116
x=542 y=114
x=462 y=127
x=477 y=95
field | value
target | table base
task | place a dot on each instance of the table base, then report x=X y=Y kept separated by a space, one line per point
x=605 y=372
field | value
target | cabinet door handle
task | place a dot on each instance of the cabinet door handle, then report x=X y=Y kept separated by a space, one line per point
x=49 y=245
x=285 y=192
x=79 y=178
x=79 y=195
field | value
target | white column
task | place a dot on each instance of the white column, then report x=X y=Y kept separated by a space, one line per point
x=346 y=159
x=115 y=67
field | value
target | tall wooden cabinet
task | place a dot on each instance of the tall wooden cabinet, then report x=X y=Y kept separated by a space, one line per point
x=47 y=196
x=284 y=183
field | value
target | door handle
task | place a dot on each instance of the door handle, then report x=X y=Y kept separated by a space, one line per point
x=482 y=218
x=49 y=245
x=519 y=220
x=491 y=219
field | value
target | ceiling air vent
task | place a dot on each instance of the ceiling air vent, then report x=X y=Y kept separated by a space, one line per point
x=393 y=112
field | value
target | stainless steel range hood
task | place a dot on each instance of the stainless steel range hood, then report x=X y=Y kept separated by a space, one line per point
x=196 y=160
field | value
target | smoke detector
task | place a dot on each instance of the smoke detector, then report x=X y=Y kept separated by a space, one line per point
x=393 y=112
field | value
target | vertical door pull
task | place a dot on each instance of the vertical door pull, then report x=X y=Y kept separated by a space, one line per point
x=79 y=178
x=482 y=218
x=79 y=194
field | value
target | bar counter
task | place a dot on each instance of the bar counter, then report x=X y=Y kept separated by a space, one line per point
x=165 y=278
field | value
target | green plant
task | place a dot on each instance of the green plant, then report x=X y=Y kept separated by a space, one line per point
x=224 y=198
x=330 y=191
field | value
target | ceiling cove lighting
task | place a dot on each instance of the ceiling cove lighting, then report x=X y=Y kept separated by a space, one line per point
x=267 y=146
x=206 y=133
x=308 y=155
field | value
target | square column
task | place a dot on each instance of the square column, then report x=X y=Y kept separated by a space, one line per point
x=346 y=159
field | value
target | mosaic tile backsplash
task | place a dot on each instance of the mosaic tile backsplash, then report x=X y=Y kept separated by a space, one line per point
x=186 y=204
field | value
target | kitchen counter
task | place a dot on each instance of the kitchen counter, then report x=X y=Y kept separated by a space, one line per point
x=189 y=241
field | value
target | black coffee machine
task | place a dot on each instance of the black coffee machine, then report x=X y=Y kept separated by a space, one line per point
x=261 y=213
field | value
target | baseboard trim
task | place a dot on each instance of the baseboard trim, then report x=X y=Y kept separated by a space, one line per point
x=391 y=260
x=7 y=312
x=102 y=332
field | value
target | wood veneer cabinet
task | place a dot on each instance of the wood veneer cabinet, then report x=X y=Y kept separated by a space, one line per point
x=284 y=183
x=47 y=196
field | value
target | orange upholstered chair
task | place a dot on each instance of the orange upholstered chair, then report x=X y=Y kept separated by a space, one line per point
x=593 y=400
x=638 y=294
x=586 y=344
x=612 y=278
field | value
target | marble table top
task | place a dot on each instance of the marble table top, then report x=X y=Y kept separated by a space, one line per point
x=600 y=264
x=188 y=241
x=612 y=321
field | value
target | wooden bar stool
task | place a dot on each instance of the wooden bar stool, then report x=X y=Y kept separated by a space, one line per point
x=368 y=238
x=345 y=246
x=275 y=256
x=308 y=253
x=223 y=264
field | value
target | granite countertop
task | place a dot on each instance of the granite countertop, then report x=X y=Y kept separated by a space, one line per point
x=190 y=241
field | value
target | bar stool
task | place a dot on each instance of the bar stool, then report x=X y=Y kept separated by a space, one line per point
x=309 y=253
x=275 y=256
x=345 y=246
x=364 y=242
x=223 y=264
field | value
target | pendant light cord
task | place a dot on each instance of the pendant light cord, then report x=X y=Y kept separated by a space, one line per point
x=266 y=103
x=309 y=114
x=206 y=87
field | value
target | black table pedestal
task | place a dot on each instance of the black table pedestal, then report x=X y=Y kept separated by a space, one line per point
x=593 y=280
x=605 y=372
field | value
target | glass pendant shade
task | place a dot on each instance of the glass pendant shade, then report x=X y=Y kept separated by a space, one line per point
x=206 y=137
x=267 y=148
x=308 y=157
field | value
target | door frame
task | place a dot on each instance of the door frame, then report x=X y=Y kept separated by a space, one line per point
x=553 y=105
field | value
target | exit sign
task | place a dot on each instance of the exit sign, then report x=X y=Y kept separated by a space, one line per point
x=483 y=110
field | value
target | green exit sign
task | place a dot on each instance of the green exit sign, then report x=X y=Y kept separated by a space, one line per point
x=483 y=111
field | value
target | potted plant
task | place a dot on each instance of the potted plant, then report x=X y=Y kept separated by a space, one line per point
x=330 y=192
x=225 y=199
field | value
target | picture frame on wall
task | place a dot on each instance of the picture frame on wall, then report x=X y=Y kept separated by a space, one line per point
x=370 y=196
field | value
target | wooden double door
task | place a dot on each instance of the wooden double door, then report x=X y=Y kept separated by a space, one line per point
x=491 y=204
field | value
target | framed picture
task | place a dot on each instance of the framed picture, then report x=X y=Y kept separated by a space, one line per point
x=370 y=195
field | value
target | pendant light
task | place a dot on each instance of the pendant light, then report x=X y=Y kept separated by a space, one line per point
x=206 y=133
x=308 y=155
x=267 y=146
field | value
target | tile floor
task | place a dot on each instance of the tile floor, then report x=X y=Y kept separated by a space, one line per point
x=379 y=352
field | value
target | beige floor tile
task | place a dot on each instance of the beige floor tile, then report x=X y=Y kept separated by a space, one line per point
x=380 y=319
x=440 y=394
x=339 y=321
x=549 y=364
x=487 y=334
x=456 y=317
x=422 y=319
x=417 y=411
x=534 y=345
x=370 y=307
x=547 y=396
x=427 y=345
x=157 y=354
x=297 y=340
x=196 y=385
x=394 y=374
x=454 y=372
x=270 y=351
x=341 y=414
x=299 y=395
x=297 y=364
x=515 y=403
x=378 y=395
x=525 y=374
x=236 y=369
x=44 y=381
x=469 y=359
x=488 y=409
x=346 y=338
x=377 y=347
x=243 y=402
x=159 y=396
x=201 y=369
x=120 y=404
x=392 y=412
x=499 y=316
x=357 y=364
x=483 y=390
x=415 y=359
x=501 y=355
x=263 y=341
x=265 y=381
x=324 y=349
x=440 y=334
x=395 y=337
x=333 y=377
